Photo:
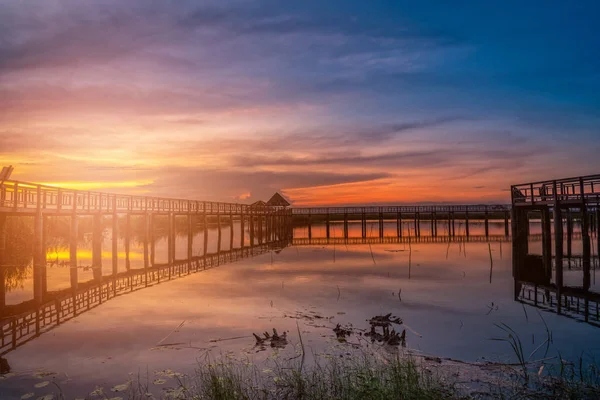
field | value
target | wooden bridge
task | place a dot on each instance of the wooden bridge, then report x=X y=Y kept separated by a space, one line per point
x=559 y=202
x=41 y=201
x=417 y=215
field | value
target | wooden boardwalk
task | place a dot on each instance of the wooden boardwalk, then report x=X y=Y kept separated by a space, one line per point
x=559 y=202
x=433 y=215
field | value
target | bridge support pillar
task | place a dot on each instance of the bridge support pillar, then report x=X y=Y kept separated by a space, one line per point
x=205 y=236
x=219 y=233
x=519 y=245
x=251 y=218
x=115 y=238
x=152 y=239
x=558 y=251
x=434 y=224
x=127 y=241
x=467 y=233
x=231 y=231
x=569 y=235
x=363 y=224
x=487 y=223
x=399 y=224
x=39 y=253
x=242 y=229
x=190 y=240
x=146 y=239
x=97 y=246
x=380 y=224
x=73 y=252
x=327 y=227
x=345 y=225
x=309 y=227
x=547 y=241
x=2 y=261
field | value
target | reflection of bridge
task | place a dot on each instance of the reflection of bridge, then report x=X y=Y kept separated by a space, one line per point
x=30 y=319
x=575 y=303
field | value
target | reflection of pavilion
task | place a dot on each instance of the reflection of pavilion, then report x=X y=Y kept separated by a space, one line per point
x=24 y=322
x=540 y=279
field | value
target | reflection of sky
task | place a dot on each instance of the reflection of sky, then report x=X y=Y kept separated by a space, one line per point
x=346 y=102
x=446 y=301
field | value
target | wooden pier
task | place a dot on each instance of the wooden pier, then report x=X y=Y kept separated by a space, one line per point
x=19 y=199
x=447 y=216
x=560 y=203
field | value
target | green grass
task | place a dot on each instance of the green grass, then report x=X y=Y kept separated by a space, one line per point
x=361 y=377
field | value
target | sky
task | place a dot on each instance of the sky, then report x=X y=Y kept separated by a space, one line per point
x=328 y=102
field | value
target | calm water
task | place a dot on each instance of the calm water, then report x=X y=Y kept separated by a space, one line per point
x=449 y=301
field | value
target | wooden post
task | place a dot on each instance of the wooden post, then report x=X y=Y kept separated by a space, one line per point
x=345 y=224
x=558 y=247
x=487 y=222
x=380 y=224
x=73 y=249
x=327 y=225
x=506 y=214
x=432 y=225
x=569 y=234
x=39 y=255
x=309 y=225
x=205 y=223
x=242 y=228
x=146 y=239
x=449 y=223
x=230 y=231
x=585 y=237
x=547 y=241
x=363 y=224
x=115 y=237
x=453 y=224
x=2 y=261
x=399 y=224
x=251 y=216
x=219 y=233
x=190 y=240
x=467 y=222
x=97 y=246
x=152 y=241
x=127 y=240
x=435 y=228
x=415 y=224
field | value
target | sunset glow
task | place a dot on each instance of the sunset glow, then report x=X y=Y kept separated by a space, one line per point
x=234 y=102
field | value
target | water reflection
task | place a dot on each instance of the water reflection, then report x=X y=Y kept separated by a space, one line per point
x=440 y=288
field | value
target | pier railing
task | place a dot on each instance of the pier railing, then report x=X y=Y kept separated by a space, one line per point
x=578 y=189
x=401 y=209
x=16 y=196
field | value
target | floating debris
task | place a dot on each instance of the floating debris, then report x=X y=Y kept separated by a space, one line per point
x=342 y=333
x=387 y=336
x=385 y=320
x=276 y=340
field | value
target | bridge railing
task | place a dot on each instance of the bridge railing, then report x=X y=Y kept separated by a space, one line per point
x=577 y=189
x=400 y=209
x=25 y=196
